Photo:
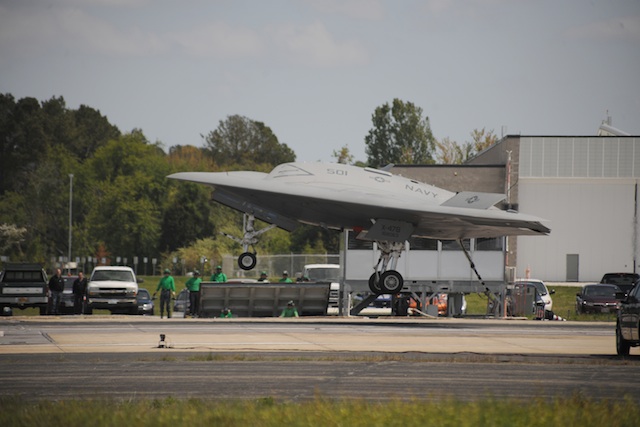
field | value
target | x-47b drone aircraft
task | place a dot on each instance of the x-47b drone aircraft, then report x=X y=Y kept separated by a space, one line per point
x=376 y=204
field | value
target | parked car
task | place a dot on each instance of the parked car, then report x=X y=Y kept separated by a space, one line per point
x=628 y=321
x=182 y=301
x=382 y=301
x=542 y=289
x=145 y=303
x=625 y=281
x=598 y=298
x=66 y=301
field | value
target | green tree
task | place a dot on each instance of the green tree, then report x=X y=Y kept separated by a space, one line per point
x=93 y=131
x=124 y=218
x=41 y=205
x=22 y=140
x=28 y=129
x=190 y=158
x=450 y=152
x=244 y=142
x=399 y=135
x=482 y=139
x=11 y=235
x=311 y=239
x=186 y=217
x=130 y=190
x=343 y=156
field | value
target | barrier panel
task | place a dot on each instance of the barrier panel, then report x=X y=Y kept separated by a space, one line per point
x=263 y=300
x=522 y=301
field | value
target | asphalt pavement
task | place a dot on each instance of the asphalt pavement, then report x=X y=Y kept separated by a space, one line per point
x=123 y=357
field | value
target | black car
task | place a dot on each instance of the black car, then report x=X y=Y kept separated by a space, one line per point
x=598 y=298
x=625 y=281
x=67 y=300
x=145 y=303
x=182 y=302
x=628 y=322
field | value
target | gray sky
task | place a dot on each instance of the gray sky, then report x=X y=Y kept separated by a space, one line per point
x=314 y=71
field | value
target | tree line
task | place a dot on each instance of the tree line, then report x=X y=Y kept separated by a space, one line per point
x=123 y=205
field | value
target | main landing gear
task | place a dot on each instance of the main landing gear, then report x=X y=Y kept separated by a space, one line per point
x=247 y=260
x=385 y=279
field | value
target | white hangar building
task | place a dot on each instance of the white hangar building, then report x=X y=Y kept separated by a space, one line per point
x=586 y=187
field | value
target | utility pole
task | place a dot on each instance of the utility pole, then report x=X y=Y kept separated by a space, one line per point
x=70 y=215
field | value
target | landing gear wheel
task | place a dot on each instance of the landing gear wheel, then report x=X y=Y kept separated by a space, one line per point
x=622 y=345
x=391 y=282
x=247 y=261
x=374 y=283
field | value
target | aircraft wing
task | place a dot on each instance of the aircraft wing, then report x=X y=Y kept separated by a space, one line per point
x=348 y=197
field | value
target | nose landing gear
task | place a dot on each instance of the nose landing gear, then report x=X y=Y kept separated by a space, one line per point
x=247 y=260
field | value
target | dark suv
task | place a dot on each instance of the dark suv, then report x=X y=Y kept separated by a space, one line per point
x=624 y=281
x=628 y=322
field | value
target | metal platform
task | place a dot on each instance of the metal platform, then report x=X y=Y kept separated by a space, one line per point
x=263 y=300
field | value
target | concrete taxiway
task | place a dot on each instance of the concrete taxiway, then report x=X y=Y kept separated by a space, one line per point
x=87 y=334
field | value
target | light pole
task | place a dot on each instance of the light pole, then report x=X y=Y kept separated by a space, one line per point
x=70 y=214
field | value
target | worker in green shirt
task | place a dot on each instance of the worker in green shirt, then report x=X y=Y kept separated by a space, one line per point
x=167 y=288
x=285 y=277
x=289 y=310
x=219 y=276
x=193 y=285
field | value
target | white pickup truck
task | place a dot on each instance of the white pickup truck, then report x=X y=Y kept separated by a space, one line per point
x=325 y=273
x=113 y=288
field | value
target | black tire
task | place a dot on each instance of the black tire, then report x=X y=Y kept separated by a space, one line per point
x=391 y=282
x=247 y=261
x=622 y=345
x=374 y=284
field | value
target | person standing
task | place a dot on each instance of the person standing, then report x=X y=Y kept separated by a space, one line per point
x=285 y=277
x=167 y=288
x=56 y=287
x=193 y=285
x=263 y=277
x=219 y=276
x=79 y=293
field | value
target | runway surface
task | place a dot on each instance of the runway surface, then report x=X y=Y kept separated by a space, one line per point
x=122 y=357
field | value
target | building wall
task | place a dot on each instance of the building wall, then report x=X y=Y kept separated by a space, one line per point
x=592 y=218
x=587 y=188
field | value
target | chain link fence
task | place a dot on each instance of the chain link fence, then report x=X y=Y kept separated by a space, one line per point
x=275 y=265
